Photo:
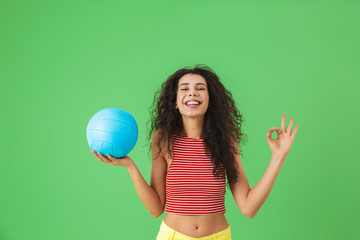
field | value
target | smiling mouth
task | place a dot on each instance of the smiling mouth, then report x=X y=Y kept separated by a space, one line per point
x=192 y=103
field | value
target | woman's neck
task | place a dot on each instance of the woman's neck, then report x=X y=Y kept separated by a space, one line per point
x=193 y=127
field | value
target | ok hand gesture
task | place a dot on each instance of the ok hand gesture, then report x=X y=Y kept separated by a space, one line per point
x=280 y=147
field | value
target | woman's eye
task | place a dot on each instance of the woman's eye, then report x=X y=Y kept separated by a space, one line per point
x=188 y=89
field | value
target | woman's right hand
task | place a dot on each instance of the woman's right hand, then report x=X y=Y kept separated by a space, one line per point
x=124 y=161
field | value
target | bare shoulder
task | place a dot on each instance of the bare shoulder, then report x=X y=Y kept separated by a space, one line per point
x=156 y=148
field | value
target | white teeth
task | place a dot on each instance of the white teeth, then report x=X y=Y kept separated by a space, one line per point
x=192 y=103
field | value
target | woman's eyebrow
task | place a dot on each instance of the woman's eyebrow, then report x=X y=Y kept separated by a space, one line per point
x=189 y=84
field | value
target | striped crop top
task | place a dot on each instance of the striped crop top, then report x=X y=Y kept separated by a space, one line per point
x=191 y=187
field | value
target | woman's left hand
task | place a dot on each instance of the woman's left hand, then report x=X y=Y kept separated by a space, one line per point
x=280 y=146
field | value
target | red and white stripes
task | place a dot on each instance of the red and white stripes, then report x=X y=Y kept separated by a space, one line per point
x=191 y=187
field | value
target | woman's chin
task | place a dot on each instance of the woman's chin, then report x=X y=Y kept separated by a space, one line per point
x=192 y=114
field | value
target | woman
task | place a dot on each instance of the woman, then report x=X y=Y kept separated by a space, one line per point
x=195 y=132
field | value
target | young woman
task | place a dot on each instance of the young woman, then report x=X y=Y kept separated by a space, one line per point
x=195 y=132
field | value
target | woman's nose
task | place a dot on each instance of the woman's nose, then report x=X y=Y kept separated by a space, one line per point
x=192 y=93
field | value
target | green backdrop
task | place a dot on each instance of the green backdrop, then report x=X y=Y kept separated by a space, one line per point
x=62 y=61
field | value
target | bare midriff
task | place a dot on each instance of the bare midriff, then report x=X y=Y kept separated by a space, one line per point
x=196 y=226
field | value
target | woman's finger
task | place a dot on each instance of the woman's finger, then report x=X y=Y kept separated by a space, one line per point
x=283 y=126
x=289 y=130
x=105 y=159
x=278 y=131
x=96 y=155
x=268 y=134
x=294 y=133
x=111 y=157
x=102 y=158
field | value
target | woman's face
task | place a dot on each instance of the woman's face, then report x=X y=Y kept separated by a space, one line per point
x=192 y=95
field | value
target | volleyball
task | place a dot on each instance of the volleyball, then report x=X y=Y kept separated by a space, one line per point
x=112 y=131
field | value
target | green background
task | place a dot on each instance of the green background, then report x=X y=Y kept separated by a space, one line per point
x=62 y=61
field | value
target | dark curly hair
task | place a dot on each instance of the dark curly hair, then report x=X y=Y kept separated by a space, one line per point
x=222 y=126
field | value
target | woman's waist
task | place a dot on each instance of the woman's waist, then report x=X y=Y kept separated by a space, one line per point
x=197 y=225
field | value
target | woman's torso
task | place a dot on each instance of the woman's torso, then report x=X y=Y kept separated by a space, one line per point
x=194 y=225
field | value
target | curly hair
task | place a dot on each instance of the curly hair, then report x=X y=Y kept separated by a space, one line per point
x=222 y=126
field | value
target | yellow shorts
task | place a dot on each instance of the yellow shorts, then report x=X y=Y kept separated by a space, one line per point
x=167 y=233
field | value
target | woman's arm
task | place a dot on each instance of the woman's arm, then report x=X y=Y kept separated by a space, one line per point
x=148 y=194
x=153 y=196
x=250 y=200
x=259 y=193
x=241 y=188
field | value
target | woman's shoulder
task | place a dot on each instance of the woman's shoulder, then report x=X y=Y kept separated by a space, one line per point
x=156 y=134
x=161 y=133
x=159 y=136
